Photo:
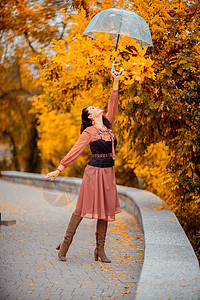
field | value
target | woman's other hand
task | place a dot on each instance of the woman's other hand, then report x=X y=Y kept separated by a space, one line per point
x=53 y=174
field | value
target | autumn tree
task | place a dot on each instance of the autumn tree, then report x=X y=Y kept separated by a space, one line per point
x=25 y=27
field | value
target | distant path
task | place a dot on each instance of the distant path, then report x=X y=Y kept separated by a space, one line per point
x=30 y=268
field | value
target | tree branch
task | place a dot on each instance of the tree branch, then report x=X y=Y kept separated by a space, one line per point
x=63 y=31
x=14 y=91
x=30 y=45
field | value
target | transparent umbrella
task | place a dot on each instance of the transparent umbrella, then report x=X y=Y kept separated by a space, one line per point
x=120 y=22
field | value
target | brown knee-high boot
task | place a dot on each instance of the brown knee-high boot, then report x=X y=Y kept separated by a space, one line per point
x=101 y=230
x=71 y=229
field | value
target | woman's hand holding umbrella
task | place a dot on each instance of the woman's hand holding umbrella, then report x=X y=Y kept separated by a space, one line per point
x=115 y=76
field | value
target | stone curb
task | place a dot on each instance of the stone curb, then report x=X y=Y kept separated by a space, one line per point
x=170 y=268
x=7 y=222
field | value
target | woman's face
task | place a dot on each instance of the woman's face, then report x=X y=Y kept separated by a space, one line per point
x=94 y=111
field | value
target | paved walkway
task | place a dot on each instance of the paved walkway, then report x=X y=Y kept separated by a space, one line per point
x=30 y=267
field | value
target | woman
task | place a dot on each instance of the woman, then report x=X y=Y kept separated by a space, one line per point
x=98 y=197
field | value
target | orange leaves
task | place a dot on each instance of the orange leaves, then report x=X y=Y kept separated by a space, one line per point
x=137 y=69
x=87 y=58
x=126 y=292
x=162 y=206
x=126 y=255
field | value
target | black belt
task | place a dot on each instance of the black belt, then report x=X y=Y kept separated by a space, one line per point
x=102 y=155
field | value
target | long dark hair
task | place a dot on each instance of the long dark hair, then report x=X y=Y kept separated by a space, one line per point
x=88 y=122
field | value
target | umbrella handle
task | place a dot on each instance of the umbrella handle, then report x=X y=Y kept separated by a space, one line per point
x=113 y=63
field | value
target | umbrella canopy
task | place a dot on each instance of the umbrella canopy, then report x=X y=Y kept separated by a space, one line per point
x=120 y=22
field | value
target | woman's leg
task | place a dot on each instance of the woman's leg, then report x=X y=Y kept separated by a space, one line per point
x=71 y=229
x=101 y=230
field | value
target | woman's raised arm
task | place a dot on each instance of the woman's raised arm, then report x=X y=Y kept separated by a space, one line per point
x=113 y=100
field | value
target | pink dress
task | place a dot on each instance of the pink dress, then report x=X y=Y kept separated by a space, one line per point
x=98 y=198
